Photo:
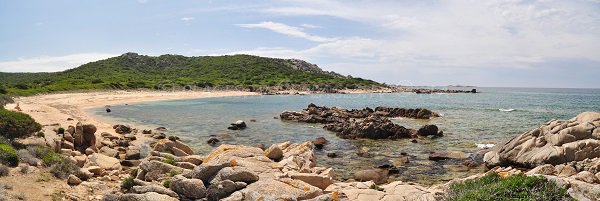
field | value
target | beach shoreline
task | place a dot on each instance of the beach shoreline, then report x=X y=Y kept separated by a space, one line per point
x=53 y=110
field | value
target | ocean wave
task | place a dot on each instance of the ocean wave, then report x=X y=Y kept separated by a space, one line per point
x=506 y=110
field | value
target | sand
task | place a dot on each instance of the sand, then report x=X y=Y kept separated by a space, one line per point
x=52 y=109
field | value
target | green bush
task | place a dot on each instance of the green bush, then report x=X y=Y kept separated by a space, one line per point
x=517 y=187
x=167 y=183
x=127 y=183
x=17 y=125
x=8 y=155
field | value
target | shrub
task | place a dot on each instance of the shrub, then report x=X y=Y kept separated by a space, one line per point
x=61 y=130
x=8 y=155
x=5 y=100
x=3 y=89
x=63 y=168
x=17 y=125
x=51 y=158
x=26 y=157
x=4 y=171
x=167 y=183
x=127 y=183
x=517 y=187
x=170 y=161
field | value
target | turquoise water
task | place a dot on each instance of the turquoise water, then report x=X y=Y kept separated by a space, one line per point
x=467 y=119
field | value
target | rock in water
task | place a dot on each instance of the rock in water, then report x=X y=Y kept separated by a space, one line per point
x=554 y=142
x=427 y=130
x=320 y=142
x=238 y=125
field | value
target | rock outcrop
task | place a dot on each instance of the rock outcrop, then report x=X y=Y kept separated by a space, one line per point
x=365 y=123
x=554 y=142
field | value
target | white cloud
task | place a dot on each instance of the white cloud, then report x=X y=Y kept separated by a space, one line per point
x=187 y=18
x=310 y=26
x=287 y=30
x=51 y=63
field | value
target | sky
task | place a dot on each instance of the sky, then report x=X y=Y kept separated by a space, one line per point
x=510 y=43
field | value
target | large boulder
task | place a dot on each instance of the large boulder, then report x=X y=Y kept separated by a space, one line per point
x=235 y=174
x=103 y=161
x=84 y=137
x=150 y=196
x=277 y=189
x=174 y=146
x=379 y=176
x=155 y=170
x=554 y=142
x=188 y=188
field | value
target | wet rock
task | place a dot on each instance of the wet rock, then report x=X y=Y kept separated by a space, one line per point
x=122 y=129
x=188 y=188
x=379 y=176
x=238 y=125
x=401 y=161
x=159 y=136
x=146 y=131
x=427 y=130
x=320 y=142
x=443 y=155
x=213 y=141
x=332 y=155
x=274 y=153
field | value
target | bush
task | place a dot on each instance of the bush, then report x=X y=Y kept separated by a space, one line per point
x=127 y=183
x=167 y=183
x=8 y=155
x=170 y=161
x=517 y=187
x=4 y=171
x=26 y=157
x=5 y=100
x=63 y=168
x=61 y=130
x=17 y=125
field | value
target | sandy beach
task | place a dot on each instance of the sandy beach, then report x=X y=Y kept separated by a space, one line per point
x=52 y=109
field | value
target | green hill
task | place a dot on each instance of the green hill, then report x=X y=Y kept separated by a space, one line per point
x=134 y=71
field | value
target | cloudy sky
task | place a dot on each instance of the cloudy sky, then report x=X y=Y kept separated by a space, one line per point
x=522 y=43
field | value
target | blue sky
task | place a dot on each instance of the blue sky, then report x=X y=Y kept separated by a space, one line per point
x=526 y=43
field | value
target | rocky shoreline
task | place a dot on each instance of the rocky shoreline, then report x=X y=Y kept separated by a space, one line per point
x=131 y=164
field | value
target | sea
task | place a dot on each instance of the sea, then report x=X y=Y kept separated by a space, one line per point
x=469 y=122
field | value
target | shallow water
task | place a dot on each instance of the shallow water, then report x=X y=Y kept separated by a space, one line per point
x=467 y=119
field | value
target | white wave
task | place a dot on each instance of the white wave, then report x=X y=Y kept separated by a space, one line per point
x=506 y=110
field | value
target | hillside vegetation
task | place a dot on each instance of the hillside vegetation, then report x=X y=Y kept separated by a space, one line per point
x=134 y=71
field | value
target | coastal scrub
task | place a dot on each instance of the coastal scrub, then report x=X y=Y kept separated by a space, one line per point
x=518 y=187
x=17 y=125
